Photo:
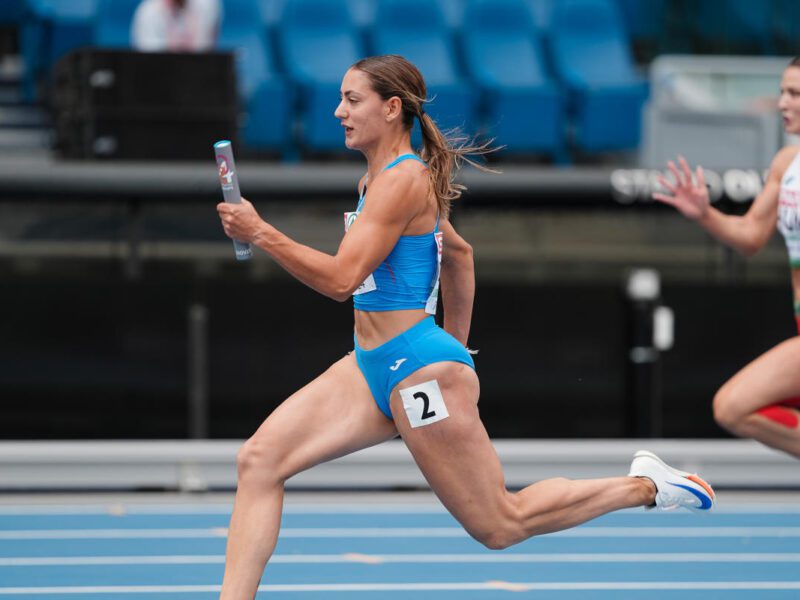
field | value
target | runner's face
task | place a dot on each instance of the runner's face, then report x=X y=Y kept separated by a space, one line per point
x=361 y=111
x=789 y=103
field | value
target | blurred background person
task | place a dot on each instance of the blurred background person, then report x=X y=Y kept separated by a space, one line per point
x=761 y=401
x=176 y=25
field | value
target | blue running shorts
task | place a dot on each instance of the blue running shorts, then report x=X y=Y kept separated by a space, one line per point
x=387 y=365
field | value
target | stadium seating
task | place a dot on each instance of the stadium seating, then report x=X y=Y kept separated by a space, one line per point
x=364 y=12
x=416 y=30
x=318 y=42
x=489 y=64
x=264 y=94
x=522 y=107
x=591 y=57
x=51 y=29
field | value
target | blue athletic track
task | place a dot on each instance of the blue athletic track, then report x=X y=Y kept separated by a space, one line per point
x=387 y=550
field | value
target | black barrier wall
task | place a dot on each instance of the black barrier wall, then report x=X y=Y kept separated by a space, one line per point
x=109 y=359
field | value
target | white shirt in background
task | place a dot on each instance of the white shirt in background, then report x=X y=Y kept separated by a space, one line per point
x=159 y=27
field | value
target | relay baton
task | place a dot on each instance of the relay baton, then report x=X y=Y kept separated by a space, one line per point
x=230 y=189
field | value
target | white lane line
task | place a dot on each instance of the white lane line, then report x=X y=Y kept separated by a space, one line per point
x=88 y=534
x=393 y=587
x=656 y=557
x=216 y=509
x=321 y=509
x=402 y=532
x=61 y=561
x=672 y=532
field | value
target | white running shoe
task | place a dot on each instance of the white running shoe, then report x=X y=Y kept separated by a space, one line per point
x=674 y=488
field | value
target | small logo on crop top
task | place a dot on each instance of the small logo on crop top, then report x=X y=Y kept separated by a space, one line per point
x=349 y=219
x=788 y=180
x=397 y=364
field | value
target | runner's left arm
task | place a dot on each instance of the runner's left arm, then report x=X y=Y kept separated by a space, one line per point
x=457 y=281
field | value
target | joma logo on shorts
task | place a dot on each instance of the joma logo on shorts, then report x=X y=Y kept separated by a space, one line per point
x=397 y=364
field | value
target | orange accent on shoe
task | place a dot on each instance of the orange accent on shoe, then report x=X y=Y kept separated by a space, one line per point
x=702 y=484
x=780 y=415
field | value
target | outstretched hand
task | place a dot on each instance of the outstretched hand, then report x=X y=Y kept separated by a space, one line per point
x=240 y=221
x=689 y=196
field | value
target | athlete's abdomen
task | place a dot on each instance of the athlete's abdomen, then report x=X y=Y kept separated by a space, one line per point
x=376 y=328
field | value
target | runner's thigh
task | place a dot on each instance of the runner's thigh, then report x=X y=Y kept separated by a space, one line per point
x=330 y=417
x=454 y=452
x=772 y=377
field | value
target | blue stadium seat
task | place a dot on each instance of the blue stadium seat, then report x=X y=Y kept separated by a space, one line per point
x=264 y=94
x=364 y=12
x=522 y=107
x=318 y=42
x=416 y=30
x=52 y=28
x=591 y=56
x=113 y=23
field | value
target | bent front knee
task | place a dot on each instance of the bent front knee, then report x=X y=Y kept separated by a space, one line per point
x=498 y=540
x=258 y=464
x=725 y=413
x=503 y=531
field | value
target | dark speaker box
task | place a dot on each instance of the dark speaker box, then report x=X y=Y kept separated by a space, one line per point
x=141 y=136
x=133 y=105
x=123 y=78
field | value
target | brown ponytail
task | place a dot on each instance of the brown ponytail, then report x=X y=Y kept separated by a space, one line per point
x=444 y=152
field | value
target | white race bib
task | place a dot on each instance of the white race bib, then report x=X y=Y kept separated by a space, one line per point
x=430 y=305
x=789 y=219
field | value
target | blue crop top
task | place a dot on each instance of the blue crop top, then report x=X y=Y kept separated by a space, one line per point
x=409 y=277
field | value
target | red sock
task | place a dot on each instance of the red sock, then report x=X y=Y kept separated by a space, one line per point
x=781 y=415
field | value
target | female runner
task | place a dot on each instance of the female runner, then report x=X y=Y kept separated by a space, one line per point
x=761 y=401
x=406 y=375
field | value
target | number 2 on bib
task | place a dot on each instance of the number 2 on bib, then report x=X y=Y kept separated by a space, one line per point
x=424 y=403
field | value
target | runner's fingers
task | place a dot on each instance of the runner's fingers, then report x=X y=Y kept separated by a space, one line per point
x=701 y=177
x=666 y=184
x=676 y=174
x=687 y=172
